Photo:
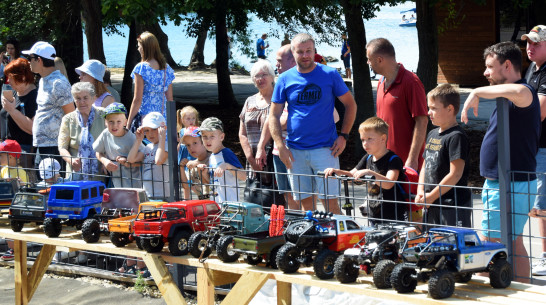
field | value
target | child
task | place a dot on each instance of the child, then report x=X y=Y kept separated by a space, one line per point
x=185 y=118
x=9 y=160
x=385 y=200
x=192 y=140
x=49 y=169
x=445 y=162
x=155 y=169
x=222 y=162
x=113 y=145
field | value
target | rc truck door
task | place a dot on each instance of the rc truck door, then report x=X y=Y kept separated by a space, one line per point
x=472 y=252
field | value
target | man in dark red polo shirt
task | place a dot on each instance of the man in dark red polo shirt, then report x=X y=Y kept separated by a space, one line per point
x=401 y=102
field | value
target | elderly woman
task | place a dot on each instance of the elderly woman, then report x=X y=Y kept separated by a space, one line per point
x=254 y=115
x=78 y=131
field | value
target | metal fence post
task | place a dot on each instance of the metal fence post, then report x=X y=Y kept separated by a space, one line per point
x=503 y=139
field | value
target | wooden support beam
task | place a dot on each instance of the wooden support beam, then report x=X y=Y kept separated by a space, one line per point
x=205 y=287
x=163 y=279
x=284 y=293
x=21 y=284
x=220 y=278
x=246 y=288
x=39 y=268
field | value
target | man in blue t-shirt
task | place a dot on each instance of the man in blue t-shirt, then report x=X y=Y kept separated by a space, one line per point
x=503 y=66
x=261 y=46
x=312 y=143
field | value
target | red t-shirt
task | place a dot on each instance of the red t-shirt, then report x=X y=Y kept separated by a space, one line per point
x=404 y=100
x=318 y=58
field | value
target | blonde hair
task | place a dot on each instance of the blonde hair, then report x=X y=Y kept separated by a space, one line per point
x=374 y=124
x=151 y=49
x=59 y=65
x=182 y=112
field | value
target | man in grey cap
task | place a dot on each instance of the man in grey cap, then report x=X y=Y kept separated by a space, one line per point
x=536 y=77
x=54 y=100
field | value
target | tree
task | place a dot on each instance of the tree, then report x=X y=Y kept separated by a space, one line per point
x=197 y=60
x=427 y=35
x=92 y=16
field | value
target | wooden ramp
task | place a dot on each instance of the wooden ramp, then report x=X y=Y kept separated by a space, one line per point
x=248 y=279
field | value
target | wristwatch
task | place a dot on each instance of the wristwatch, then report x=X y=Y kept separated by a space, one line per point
x=344 y=135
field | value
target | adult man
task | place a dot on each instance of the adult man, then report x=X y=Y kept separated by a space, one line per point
x=503 y=64
x=54 y=99
x=312 y=143
x=261 y=46
x=536 y=77
x=285 y=59
x=401 y=102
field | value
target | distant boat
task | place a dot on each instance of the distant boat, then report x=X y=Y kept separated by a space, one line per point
x=412 y=21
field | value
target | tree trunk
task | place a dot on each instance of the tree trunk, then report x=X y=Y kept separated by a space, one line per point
x=427 y=34
x=163 y=40
x=198 y=57
x=131 y=59
x=92 y=16
x=226 y=98
x=361 y=72
x=69 y=45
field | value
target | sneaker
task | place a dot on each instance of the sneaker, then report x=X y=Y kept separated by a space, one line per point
x=81 y=258
x=8 y=256
x=539 y=268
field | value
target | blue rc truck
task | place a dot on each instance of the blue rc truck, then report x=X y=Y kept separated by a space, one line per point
x=443 y=256
x=71 y=203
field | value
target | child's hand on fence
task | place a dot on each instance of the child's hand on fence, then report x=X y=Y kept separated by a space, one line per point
x=191 y=164
x=363 y=172
x=219 y=171
x=123 y=161
x=111 y=166
x=421 y=198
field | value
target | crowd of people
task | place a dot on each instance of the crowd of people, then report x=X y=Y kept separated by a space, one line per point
x=288 y=128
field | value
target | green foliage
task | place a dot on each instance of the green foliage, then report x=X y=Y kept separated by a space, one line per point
x=27 y=21
x=141 y=286
x=454 y=17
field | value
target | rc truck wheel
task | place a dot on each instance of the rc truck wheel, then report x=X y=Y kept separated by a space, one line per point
x=152 y=245
x=382 y=274
x=138 y=243
x=464 y=277
x=273 y=258
x=198 y=244
x=500 y=273
x=119 y=239
x=178 y=245
x=52 y=227
x=402 y=279
x=346 y=270
x=323 y=264
x=91 y=230
x=287 y=258
x=224 y=249
x=16 y=225
x=297 y=228
x=253 y=259
x=441 y=284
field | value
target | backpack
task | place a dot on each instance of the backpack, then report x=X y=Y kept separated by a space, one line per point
x=410 y=188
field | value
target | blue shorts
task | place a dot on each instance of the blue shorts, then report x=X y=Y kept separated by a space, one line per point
x=309 y=162
x=347 y=61
x=540 y=200
x=522 y=198
x=281 y=174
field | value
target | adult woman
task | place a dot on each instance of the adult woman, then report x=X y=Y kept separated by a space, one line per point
x=12 y=53
x=18 y=111
x=92 y=71
x=153 y=81
x=78 y=131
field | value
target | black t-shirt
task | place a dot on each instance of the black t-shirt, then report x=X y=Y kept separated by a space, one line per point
x=381 y=203
x=27 y=105
x=537 y=80
x=441 y=149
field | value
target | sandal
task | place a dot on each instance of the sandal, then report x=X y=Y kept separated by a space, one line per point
x=145 y=272
x=131 y=270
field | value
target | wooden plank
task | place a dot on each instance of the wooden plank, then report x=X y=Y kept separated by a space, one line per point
x=39 y=268
x=284 y=293
x=246 y=288
x=205 y=288
x=220 y=278
x=163 y=279
x=21 y=284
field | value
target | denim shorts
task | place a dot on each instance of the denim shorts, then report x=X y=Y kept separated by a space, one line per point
x=347 y=62
x=309 y=162
x=522 y=198
x=281 y=174
x=540 y=200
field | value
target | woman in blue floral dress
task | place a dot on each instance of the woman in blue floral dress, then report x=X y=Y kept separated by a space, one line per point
x=153 y=81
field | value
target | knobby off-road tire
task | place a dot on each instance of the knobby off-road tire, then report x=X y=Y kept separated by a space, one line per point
x=178 y=244
x=253 y=259
x=273 y=258
x=152 y=245
x=323 y=265
x=119 y=239
x=52 y=227
x=138 y=243
x=91 y=230
x=464 y=277
x=287 y=258
x=441 y=284
x=402 y=279
x=16 y=225
x=197 y=243
x=297 y=228
x=346 y=269
x=500 y=273
x=382 y=274
x=224 y=249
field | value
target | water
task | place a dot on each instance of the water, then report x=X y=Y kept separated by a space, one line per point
x=384 y=25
